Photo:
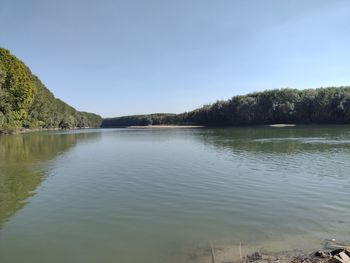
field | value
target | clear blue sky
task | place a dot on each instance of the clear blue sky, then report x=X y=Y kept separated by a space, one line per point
x=141 y=56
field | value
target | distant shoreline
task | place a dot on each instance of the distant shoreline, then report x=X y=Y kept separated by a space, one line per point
x=163 y=126
x=282 y=125
x=278 y=125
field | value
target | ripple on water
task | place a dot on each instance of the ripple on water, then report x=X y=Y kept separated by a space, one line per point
x=122 y=194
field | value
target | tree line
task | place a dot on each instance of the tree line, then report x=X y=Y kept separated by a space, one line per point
x=25 y=102
x=309 y=106
x=140 y=120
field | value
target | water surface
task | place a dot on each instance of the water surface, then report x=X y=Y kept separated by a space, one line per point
x=150 y=195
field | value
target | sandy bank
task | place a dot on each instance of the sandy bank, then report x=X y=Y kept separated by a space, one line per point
x=282 y=125
x=164 y=126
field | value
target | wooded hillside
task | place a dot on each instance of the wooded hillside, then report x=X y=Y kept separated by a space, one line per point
x=25 y=102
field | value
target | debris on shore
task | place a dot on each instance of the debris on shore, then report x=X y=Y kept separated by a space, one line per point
x=339 y=255
x=332 y=252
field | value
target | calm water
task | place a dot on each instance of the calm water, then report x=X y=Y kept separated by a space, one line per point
x=149 y=196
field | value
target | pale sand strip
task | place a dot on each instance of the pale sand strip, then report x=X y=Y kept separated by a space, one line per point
x=281 y=125
x=164 y=126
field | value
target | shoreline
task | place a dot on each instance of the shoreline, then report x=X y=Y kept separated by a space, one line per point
x=24 y=131
x=331 y=252
x=164 y=126
x=281 y=125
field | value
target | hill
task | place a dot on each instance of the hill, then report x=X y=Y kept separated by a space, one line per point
x=25 y=102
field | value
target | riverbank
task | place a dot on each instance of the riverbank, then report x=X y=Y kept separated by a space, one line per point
x=165 y=126
x=22 y=131
x=332 y=252
x=282 y=125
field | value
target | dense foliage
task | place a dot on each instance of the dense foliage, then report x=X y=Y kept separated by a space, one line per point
x=323 y=105
x=26 y=103
x=140 y=120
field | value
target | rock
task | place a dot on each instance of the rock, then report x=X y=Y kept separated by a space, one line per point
x=254 y=257
x=339 y=250
x=342 y=257
x=336 y=251
x=321 y=254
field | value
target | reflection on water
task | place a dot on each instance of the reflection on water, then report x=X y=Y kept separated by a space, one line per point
x=280 y=140
x=21 y=157
x=148 y=196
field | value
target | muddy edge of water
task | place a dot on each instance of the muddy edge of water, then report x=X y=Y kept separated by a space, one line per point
x=331 y=252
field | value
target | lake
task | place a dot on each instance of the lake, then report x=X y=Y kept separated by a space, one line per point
x=154 y=195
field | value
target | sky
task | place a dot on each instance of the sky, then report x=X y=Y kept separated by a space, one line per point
x=128 y=57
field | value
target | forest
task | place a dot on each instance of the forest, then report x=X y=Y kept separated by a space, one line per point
x=25 y=102
x=308 y=106
x=140 y=120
